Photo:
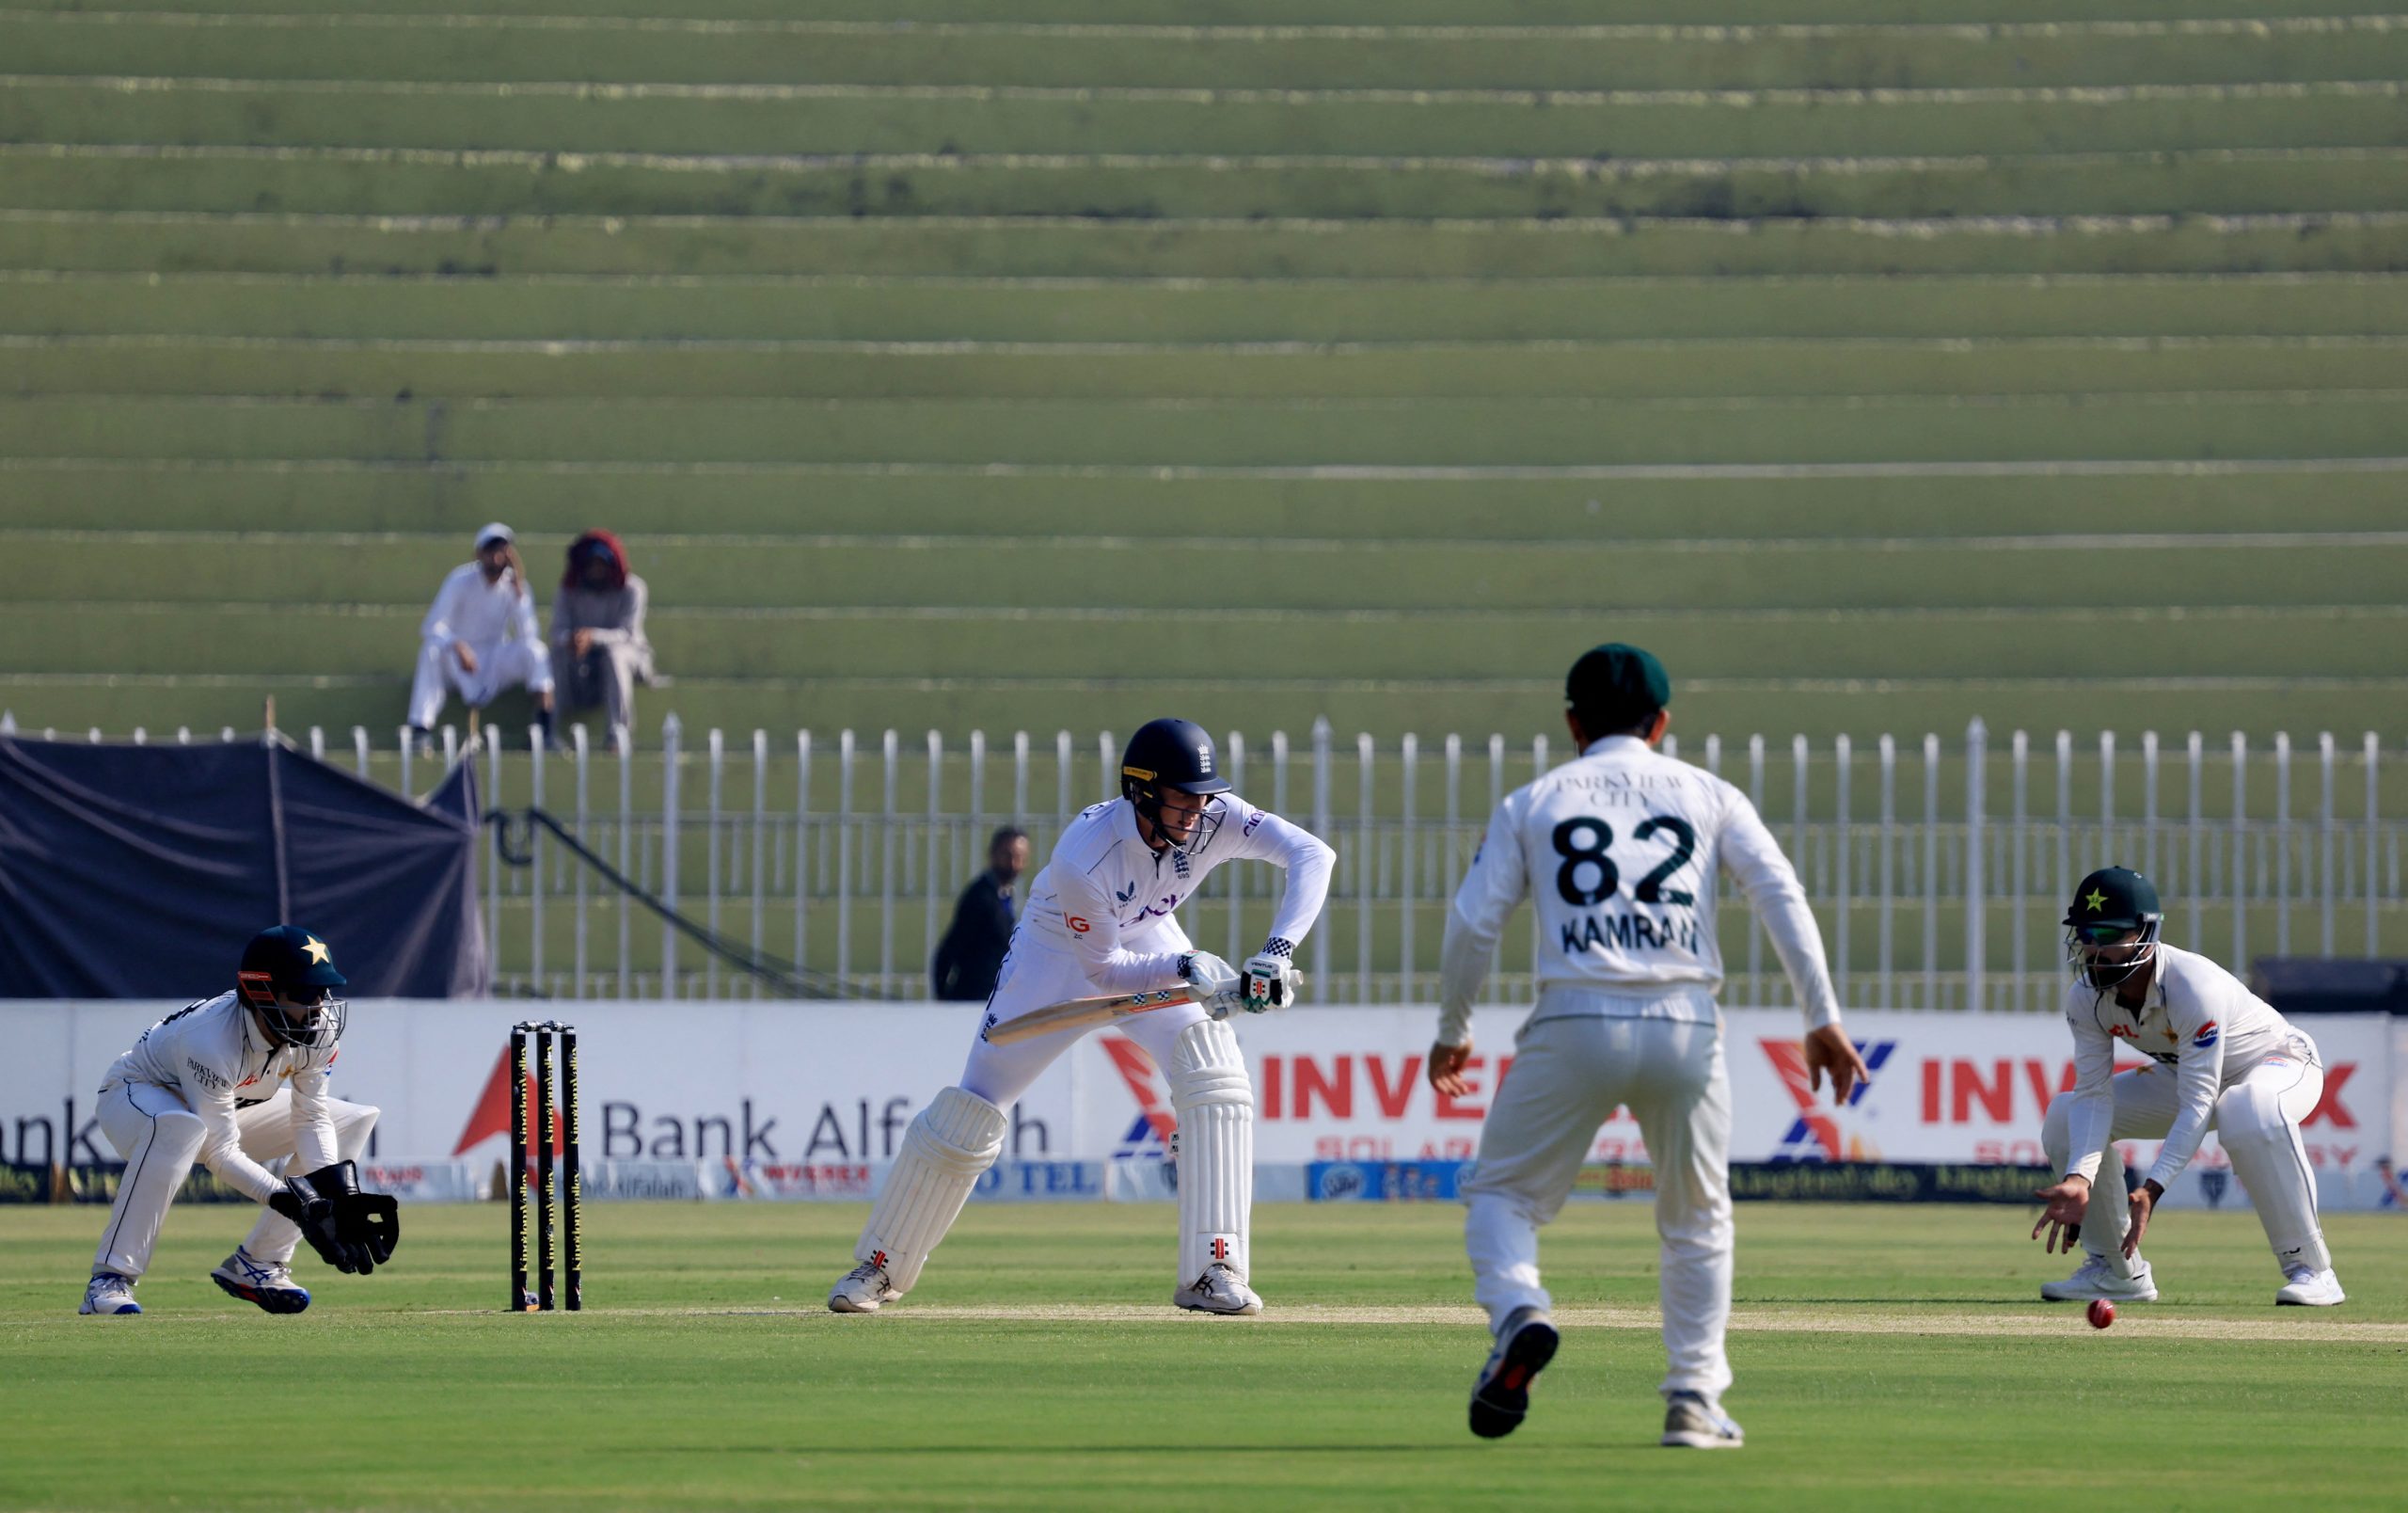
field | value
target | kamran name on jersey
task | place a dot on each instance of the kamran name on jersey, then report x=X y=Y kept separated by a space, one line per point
x=1629 y=931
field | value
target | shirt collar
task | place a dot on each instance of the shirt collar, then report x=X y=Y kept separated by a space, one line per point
x=1606 y=745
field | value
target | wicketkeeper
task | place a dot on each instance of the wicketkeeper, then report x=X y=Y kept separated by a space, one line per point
x=1099 y=922
x=235 y=1081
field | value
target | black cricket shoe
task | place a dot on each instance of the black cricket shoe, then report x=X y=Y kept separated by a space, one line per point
x=1501 y=1398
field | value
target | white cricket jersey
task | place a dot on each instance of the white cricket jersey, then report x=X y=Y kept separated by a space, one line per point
x=1105 y=897
x=468 y=607
x=212 y=1055
x=1617 y=850
x=2196 y=1018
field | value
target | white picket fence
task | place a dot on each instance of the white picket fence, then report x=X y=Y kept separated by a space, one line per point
x=1938 y=868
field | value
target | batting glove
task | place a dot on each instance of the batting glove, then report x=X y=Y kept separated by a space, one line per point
x=1268 y=979
x=1215 y=983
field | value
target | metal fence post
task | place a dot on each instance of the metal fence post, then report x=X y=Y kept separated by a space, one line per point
x=626 y=841
x=493 y=856
x=671 y=730
x=1062 y=809
x=1322 y=824
x=1233 y=763
x=2195 y=749
x=1019 y=778
x=1842 y=759
x=1977 y=879
x=537 y=739
x=2282 y=844
x=846 y=749
x=804 y=870
x=2020 y=882
x=889 y=822
x=2106 y=853
x=931 y=894
x=1755 y=925
x=579 y=746
x=359 y=749
x=711 y=856
x=1888 y=868
x=2325 y=839
x=2239 y=962
x=2374 y=823
x=1365 y=884
x=1930 y=870
x=2148 y=803
x=760 y=840
x=1409 y=873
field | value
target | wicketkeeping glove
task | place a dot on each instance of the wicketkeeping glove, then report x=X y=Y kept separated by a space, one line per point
x=1268 y=979
x=1215 y=983
x=301 y=1202
x=369 y=1224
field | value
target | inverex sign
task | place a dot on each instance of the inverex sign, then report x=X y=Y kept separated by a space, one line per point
x=814 y=1084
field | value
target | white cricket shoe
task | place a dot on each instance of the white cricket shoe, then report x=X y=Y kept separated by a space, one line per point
x=2310 y=1288
x=1500 y=1399
x=1218 y=1291
x=2097 y=1277
x=863 y=1290
x=109 y=1294
x=267 y=1283
x=1692 y=1422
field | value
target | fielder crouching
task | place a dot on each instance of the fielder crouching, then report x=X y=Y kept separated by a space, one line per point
x=2223 y=1060
x=203 y=1084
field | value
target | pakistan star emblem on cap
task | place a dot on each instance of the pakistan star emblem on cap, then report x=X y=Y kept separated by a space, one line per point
x=317 y=949
x=2094 y=901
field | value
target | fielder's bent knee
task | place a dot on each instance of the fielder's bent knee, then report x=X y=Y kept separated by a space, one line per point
x=2054 y=1135
x=177 y=1130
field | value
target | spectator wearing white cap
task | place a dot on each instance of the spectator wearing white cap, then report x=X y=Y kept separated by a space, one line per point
x=480 y=637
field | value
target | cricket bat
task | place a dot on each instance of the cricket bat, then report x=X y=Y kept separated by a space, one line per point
x=1085 y=1014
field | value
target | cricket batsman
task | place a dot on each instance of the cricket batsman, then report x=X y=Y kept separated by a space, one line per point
x=1618 y=850
x=1099 y=921
x=234 y=1081
x=2224 y=1059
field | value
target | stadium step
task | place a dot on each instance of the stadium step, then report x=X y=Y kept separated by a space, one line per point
x=299 y=501
x=982 y=121
x=1406 y=644
x=38 y=176
x=1302 y=372
x=1426 y=432
x=1137 y=311
x=2003 y=53
x=1599 y=572
x=271 y=241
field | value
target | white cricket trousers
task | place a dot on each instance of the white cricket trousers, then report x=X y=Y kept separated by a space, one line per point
x=158 y=1135
x=511 y=663
x=2257 y=1121
x=1034 y=976
x=1573 y=1066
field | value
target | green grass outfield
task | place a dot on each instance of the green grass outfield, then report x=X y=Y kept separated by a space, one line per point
x=1886 y=1357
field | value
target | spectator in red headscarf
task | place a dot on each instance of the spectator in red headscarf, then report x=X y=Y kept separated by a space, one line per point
x=598 y=651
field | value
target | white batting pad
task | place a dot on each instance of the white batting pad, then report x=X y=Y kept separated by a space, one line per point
x=953 y=1140
x=1215 y=1101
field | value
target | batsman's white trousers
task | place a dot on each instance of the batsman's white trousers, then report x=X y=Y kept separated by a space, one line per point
x=1579 y=1056
x=2256 y=1120
x=511 y=663
x=158 y=1135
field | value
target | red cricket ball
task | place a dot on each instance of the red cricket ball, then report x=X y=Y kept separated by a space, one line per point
x=2103 y=1312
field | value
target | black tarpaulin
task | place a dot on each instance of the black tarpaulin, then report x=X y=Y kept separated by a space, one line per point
x=139 y=871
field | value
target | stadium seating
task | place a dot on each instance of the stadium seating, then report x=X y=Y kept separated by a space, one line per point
x=1881 y=363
